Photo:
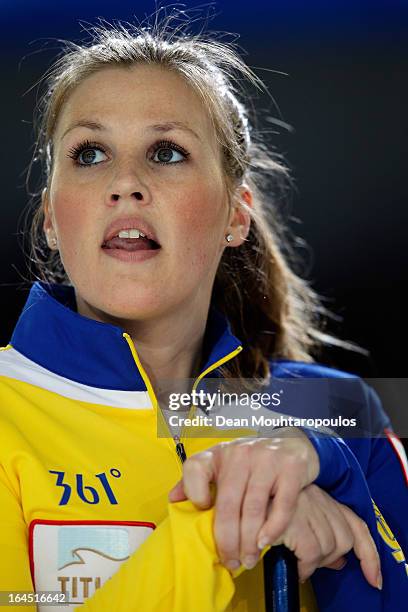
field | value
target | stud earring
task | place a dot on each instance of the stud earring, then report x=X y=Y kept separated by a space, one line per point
x=229 y=237
x=53 y=242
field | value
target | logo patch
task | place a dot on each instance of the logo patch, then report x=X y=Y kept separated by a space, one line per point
x=78 y=557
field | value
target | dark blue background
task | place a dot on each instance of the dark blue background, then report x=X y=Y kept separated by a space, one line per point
x=343 y=91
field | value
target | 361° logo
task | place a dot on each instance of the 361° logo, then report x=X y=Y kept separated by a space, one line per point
x=86 y=493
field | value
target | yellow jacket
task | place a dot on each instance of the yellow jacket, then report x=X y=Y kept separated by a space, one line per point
x=84 y=480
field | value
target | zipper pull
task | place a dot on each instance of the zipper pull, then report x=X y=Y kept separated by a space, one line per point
x=180 y=450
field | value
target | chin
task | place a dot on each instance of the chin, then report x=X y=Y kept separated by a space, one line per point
x=132 y=307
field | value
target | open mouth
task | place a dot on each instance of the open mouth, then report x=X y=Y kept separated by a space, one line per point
x=142 y=243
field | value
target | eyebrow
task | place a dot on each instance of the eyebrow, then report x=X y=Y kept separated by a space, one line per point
x=168 y=126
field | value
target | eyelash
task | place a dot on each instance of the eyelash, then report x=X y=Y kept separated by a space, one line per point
x=76 y=151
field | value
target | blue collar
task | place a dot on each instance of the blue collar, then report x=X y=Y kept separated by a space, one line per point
x=51 y=333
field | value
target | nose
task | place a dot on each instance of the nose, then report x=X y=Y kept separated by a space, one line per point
x=127 y=186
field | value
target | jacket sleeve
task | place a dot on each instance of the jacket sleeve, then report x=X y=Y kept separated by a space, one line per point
x=14 y=562
x=176 y=567
x=386 y=472
x=374 y=486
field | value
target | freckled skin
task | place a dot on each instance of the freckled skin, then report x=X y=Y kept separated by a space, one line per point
x=186 y=203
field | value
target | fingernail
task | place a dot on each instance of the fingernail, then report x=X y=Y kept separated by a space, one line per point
x=232 y=564
x=250 y=561
x=379 y=582
x=263 y=542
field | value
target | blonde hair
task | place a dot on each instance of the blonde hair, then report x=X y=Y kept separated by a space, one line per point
x=273 y=311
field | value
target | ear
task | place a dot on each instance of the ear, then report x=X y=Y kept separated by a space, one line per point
x=240 y=216
x=48 y=225
x=48 y=222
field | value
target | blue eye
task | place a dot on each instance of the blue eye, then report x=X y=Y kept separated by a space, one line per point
x=86 y=150
x=169 y=147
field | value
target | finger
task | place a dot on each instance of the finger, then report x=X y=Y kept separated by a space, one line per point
x=323 y=528
x=337 y=565
x=283 y=507
x=309 y=535
x=342 y=534
x=231 y=484
x=254 y=514
x=177 y=493
x=364 y=547
x=301 y=539
x=198 y=473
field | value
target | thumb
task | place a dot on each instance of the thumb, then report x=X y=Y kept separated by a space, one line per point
x=177 y=492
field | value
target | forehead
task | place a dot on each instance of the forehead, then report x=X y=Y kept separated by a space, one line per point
x=128 y=96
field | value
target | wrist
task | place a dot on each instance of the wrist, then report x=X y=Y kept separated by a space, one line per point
x=310 y=457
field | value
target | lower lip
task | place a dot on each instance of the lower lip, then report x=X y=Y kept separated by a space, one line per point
x=131 y=256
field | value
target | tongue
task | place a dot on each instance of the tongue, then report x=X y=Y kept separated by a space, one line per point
x=130 y=244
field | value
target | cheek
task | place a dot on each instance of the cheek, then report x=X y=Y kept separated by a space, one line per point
x=202 y=219
x=72 y=223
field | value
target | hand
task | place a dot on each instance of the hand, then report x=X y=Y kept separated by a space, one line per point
x=321 y=531
x=247 y=472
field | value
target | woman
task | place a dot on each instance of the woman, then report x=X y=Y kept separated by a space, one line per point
x=159 y=265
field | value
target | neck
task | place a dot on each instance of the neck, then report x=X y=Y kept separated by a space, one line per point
x=169 y=347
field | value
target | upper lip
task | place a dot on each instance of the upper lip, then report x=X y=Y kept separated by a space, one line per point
x=126 y=223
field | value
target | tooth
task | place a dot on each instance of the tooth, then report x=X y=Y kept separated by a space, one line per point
x=134 y=233
x=123 y=234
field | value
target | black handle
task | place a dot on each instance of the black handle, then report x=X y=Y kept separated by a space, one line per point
x=281 y=581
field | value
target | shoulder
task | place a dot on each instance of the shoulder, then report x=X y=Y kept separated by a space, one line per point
x=345 y=392
x=286 y=368
x=13 y=365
